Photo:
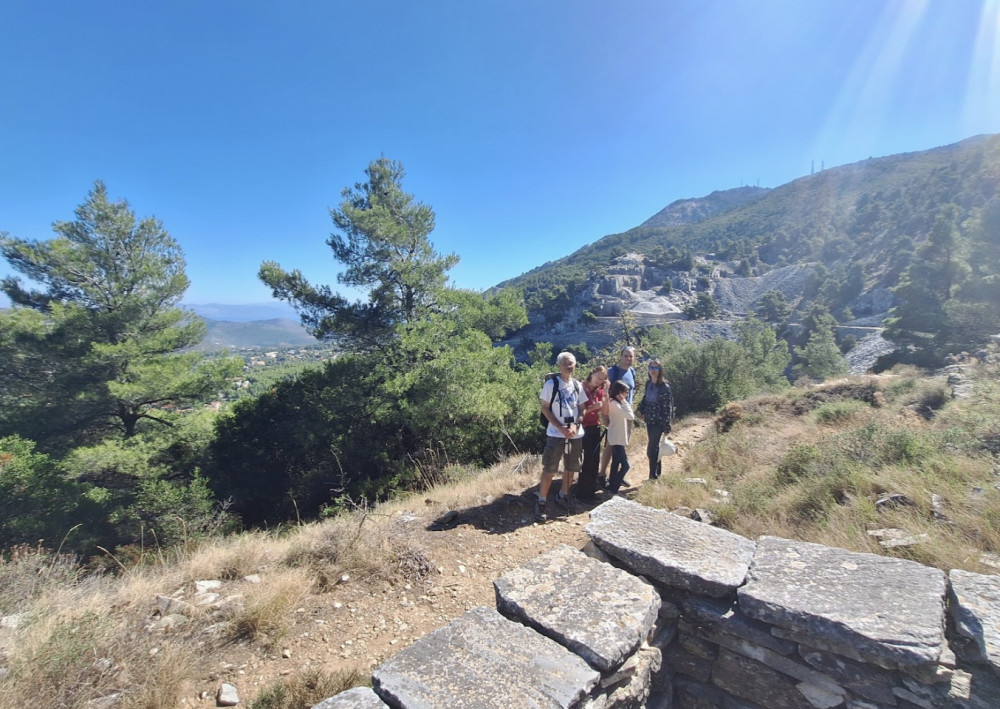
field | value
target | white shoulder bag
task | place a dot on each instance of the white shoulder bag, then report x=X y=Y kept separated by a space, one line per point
x=667 y=447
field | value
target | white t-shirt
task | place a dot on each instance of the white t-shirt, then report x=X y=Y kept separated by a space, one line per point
x=568 y=402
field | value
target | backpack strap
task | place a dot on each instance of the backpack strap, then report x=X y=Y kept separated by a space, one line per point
x=555 y=378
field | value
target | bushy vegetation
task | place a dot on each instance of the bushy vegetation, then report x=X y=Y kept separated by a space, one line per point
x=108 y=444
x=705 y=376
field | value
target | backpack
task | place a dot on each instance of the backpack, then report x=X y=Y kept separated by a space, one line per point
x=555 y=392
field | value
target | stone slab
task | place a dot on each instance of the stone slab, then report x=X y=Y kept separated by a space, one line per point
x=671 y=550
x=975 y=608
x=482 y=660
x=868 y=681
x=357 y=698
x=890 y=611
x=712 y=616
x=598 y=611
x=751 y=680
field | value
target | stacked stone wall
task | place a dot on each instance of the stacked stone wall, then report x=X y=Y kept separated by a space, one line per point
x=668 y=613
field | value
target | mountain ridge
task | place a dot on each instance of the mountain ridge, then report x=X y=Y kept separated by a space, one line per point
x=856 y=226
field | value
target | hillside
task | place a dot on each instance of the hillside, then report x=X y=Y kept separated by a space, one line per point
x=900 y=465
x=856 y=227
x=692 y=211
x=276 y=332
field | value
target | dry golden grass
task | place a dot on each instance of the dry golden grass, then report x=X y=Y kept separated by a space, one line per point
x=232 y=557
x=307 y=689
x=70 y=655
x=811 y=465
x=263 y=616
x=510 y=476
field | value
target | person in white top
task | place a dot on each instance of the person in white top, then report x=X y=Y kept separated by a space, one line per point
x=619 y=413
x=562 y=408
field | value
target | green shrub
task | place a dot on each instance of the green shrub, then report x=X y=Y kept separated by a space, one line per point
x=41 y=503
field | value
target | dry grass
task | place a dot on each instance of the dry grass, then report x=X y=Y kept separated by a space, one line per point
x=510 y=476
x=264 y=614
x=74 y=651
x=308 y=689
x=232 y=557
x=812 y=464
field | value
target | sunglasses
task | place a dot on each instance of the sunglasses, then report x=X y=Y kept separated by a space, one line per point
x=655 y=369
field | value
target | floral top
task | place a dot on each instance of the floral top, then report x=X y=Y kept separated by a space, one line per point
x=657 y=405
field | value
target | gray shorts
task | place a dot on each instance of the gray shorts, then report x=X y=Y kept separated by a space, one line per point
x=555 y=448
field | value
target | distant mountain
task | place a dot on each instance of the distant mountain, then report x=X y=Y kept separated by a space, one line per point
x=276 y=332
x=865 y=210
x=245 y=312
x=856 y=228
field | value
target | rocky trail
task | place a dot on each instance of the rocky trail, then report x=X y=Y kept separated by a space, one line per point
x=361 y=622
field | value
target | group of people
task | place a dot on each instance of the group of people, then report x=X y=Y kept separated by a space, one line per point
x=581 y=415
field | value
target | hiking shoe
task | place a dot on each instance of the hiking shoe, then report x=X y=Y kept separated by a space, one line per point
x=540 y=510
x=626 y=483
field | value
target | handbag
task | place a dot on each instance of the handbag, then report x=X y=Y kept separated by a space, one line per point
x=667 y=447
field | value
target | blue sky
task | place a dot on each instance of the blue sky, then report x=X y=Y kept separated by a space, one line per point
x=531 y=127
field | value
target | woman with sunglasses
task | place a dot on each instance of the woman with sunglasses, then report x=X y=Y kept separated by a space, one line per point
x=657 y=410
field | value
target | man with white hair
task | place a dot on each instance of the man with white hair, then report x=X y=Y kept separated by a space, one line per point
x=562 y=400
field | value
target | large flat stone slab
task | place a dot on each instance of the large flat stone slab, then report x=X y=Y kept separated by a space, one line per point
x=482 y=660
x=672 y=550
x=596 y=610
x=976 y=609
x=357 y=698
x=887 y=611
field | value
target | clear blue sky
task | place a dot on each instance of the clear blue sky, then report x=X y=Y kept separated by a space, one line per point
x=532 y=127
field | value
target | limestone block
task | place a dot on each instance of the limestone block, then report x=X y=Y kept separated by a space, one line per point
x=790 y=667
x=227 y=696
x=633 y=687
x=756 y=682
x=867 y=681
x=357 y=698
x=669 y=549
x=684 y=662
x=890 y=611
x=599 y=612
x=975 y=608
x=697 y=646
x=711 y=616
x=482 y=660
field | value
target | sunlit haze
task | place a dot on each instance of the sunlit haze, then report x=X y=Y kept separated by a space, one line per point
x=531 y=128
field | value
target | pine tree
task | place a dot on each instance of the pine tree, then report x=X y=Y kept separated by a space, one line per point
x=382 y=241
x=96 y=347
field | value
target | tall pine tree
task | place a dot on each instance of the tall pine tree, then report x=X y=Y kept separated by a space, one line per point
x=95 y=347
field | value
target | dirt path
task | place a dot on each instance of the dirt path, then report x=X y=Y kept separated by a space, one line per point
x=360 y=623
